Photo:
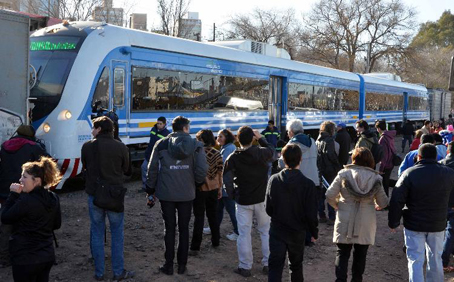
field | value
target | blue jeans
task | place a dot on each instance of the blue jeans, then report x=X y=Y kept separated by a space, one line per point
x=97 y=229
x=144 y=168
x=420 y=244
x=448 y=245
x=229 y=205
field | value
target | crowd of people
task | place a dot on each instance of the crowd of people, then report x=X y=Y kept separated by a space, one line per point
x=288 y=183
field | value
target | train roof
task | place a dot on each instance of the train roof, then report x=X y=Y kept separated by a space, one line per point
x=395 y=83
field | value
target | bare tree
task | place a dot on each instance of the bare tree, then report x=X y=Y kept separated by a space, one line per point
x=171 y=12
x=336 y=30
x=275 y=27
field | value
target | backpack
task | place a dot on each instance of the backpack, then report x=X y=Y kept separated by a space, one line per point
x=377 y=151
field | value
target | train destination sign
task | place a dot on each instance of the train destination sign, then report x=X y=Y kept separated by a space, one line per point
x=53 y=45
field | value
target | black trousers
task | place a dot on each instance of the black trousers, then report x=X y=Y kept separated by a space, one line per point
x=205 y=200
x=32 y=272
x=359 y=261
x=282 y=242
x=169 y=210
x=386 y=176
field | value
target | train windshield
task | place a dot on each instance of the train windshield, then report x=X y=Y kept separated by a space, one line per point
x=51 y=59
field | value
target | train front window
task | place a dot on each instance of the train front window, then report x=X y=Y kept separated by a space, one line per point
x=52 y=58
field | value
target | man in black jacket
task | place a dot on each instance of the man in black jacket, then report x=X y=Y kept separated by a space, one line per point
x=408 y=131
x=249 y=167
x=14 y=153
x=291 y=202
x=345 y=142
x=448 y=244
x=106 y=158
x=424 y=191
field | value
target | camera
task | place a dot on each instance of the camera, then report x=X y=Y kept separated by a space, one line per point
x=151 y=201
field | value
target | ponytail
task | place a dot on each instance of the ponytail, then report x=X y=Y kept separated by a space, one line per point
x=46 y=169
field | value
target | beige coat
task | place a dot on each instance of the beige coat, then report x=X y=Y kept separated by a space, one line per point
x=354 y=193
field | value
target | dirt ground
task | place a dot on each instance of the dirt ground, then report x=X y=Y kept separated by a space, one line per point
x=144 y=248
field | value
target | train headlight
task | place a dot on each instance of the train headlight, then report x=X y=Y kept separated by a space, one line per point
x=68 y=114
x=46 y=127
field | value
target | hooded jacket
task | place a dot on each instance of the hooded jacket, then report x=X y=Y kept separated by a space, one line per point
x=246 y=173
x=309 y=163
x=367 y=139
x=13 y=154
x=291 y=202
x=177 y=163
x=328 y=163
x=34 y=216
x=387 y=142
x=354 y=193
x=421 y=197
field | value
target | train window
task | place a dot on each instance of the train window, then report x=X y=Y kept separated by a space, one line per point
x=308 y=97
x=171 y=90
x=119 y=87
x=384 y=102
x=102 y=90
x=417 y=103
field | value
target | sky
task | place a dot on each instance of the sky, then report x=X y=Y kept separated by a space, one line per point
x=216 y=11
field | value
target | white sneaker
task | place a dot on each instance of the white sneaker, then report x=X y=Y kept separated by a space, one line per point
x=207 y=230
x=232 y=236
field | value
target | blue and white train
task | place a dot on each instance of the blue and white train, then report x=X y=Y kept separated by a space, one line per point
x=145 y=75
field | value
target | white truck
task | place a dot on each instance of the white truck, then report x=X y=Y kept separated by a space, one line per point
x=14 y=72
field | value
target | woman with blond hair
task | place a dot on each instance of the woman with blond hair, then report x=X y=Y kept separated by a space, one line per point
x=355 y=193
x=34 y=212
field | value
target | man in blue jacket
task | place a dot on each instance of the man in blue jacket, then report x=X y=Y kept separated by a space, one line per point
x=157 y=132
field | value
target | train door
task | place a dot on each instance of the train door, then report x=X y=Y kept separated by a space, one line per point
x=275 y=100
x=405 y=108
x=118 y=100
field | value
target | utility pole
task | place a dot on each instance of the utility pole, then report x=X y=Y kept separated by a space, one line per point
x=214 y=32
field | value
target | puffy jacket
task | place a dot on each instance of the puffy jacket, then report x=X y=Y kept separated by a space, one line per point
x=424 y=191
x=113 y=161
x=309 y=163
x=246 y=173
x=367 y=139
x=345 y=142
x=34 y=216
x=291 y=202
x=449 y=162
x=177 y=163
x=155 y=136
x=271 y=135
x=354 y=192
x=387 y=142
x=13 y=154
x=328 y=163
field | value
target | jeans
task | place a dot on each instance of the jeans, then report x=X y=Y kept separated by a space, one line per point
x=97 y=229
x=144 y=169
x=386 y=176
x=281 y=242
x=424 y=243
x=244 y=215
x=448 y=245
x=358 y=264
x=169 y=210
x=321 y=206
x=229 y=205
x=406 y=138
x=205 y=200
x=38 y=272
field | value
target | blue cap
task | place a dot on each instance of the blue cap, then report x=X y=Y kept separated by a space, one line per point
x=341 y=124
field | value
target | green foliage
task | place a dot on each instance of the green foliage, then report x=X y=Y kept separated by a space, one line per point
x=436 y=34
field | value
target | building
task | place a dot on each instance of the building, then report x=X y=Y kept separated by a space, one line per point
x=191 y=28
x=10 y=5
x=108 y=14
x=138 y=21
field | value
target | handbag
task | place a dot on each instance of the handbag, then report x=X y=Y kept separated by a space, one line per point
x=110 y=197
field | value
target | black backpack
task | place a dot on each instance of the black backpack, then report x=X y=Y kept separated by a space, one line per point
x=377 y=151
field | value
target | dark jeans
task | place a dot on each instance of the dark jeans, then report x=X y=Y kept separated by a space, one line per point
x=448 y=244
x=359 y=261
x=169 y=210
x=32 y=272
x=281 y=242
x=406 y=138
x=386 y=176
x=229 y=205
x=321 y=206
x=205 y=200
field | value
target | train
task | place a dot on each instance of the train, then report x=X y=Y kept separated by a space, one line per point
x=143 y=75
